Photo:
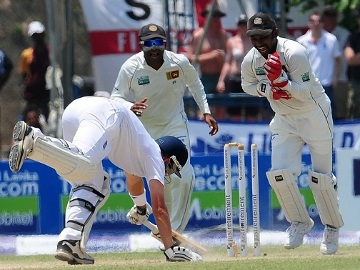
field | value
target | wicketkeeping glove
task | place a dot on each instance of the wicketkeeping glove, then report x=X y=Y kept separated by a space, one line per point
x=274 y=72
x=277 y=93
x=181 y=254
x=137 y=216
x=274 y=92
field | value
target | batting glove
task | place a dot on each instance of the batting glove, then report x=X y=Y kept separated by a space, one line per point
x=181 y=254
x=274 y=72
x=137 y=216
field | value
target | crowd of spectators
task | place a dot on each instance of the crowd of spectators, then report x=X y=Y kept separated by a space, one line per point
x=332 y=50
x=218 y=54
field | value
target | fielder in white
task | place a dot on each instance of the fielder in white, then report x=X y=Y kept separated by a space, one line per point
x=95 y=128
x=154 y=81
x=279 y=69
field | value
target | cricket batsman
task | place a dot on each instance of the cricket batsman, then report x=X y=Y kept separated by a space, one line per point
x=95 y=128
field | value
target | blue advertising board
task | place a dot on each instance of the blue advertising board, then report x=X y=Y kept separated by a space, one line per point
x=34 y=200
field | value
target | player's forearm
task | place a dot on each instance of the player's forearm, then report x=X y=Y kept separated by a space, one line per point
x=251 y=89
x=200 y=98
x=300 y=91
x=196 y=88
x=122 y=100
x=163 y=222
x=160 y=212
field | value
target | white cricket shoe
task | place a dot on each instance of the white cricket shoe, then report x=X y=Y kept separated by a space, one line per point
x=24 y=141
x=330 y=241
x=296 y=233
x=70 y=251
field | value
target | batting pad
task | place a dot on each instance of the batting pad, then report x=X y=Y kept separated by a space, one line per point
x=70 y=165
x=325 y=195
x=105 y=191
x=287 y=192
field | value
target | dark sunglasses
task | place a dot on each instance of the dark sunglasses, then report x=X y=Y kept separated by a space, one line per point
x=153 y=42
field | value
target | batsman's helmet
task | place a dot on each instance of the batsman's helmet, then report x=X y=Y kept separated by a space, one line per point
x=176 y=150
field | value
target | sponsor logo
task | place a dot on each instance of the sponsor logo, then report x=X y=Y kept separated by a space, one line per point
x=243 y=217
x=143 y=80
x=229 y=218
x=259 y=71
x=17 y=218
x=305 y=77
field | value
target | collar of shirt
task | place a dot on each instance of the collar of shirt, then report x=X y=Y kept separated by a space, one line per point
x=143 y=61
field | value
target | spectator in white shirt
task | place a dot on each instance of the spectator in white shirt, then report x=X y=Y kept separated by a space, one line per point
x=342 y=89
x=324 y=54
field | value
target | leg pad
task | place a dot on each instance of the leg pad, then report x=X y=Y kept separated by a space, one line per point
x=286 y=190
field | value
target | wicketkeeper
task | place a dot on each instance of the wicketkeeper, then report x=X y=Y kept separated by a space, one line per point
x=279 y=69
x=95 y=128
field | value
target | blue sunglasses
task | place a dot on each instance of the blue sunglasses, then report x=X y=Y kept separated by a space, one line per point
x=153 y=42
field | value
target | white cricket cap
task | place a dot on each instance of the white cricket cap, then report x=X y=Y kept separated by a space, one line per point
x=35 y=27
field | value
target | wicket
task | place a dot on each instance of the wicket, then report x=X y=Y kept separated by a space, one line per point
x=232 y=249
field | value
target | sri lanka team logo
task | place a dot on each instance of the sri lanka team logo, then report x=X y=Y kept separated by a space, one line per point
x=172 y=74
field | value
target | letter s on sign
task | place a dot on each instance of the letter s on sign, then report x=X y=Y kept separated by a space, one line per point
x=142 y=6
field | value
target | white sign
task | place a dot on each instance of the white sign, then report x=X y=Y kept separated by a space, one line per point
x=113 y=29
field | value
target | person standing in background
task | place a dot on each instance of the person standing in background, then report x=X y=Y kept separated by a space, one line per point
x=152 y=84
x=352 y=56
x=342 y=89
x=211 y=57
x=33 y=64
x=324 y=55
x=230 y=77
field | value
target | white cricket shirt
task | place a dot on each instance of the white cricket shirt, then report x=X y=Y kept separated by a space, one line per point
x=164 y=87
x=131 y=148
x=304 y=87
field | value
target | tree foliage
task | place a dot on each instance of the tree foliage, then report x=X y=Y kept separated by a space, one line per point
x=345 y=7
x=341 y=6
